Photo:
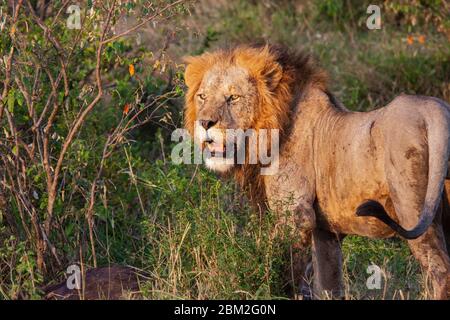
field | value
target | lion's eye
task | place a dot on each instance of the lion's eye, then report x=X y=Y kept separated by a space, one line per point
x=202 y=96
x=234 y=97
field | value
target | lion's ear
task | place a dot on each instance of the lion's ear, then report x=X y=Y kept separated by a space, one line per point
x=189 y=72
x=195 y=70
x=268 y=68
x=272 y=73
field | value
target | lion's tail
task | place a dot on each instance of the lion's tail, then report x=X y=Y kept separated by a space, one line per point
x=438 y=153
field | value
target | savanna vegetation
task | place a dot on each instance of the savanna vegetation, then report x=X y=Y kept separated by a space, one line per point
x=86 y=116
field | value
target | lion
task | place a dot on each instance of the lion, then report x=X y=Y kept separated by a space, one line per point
x=376 y=174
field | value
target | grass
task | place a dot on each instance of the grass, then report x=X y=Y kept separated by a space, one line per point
x=367 y=70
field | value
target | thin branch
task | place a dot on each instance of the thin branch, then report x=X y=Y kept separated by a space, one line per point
x=8 y=63
x=148 y=19
x=79 y=121
x=56 y=44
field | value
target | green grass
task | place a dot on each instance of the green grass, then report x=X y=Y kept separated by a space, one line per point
x=367 y=70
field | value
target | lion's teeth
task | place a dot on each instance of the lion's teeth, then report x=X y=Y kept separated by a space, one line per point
x=216 y=147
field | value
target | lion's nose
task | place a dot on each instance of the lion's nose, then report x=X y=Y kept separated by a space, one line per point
x=207 y=123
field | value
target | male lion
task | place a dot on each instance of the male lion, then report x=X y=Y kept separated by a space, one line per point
x=373 y=174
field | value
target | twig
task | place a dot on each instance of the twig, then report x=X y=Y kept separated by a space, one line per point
x=148 y=19
x=77 y=124
x=7 y=80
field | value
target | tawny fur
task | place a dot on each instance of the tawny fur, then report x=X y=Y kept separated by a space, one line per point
x=332 y=160
x=274 y=71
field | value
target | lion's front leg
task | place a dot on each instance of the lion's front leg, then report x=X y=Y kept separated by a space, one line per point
x=327 y=265
x=296 y=227
x=299 y=272
x=291 y=195
x=299 y=223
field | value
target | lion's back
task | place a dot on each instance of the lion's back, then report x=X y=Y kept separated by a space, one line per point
x=407 y=106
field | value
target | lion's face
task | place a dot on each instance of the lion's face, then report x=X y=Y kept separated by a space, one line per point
x=230 y=92
x=226 y=99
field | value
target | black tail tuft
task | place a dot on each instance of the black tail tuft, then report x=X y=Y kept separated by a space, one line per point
x=372 y=208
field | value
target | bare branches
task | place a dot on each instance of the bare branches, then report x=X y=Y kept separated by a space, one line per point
x=78 y=122
x=8 y=62
x=55 y=43
x=158 y=13
x=43 y=108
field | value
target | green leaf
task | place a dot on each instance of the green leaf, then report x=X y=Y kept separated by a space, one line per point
x=69 y=229
x=11 y=100
x=19 y=99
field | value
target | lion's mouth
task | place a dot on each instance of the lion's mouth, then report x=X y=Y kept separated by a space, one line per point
x=216 y=149
x=219 y=150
